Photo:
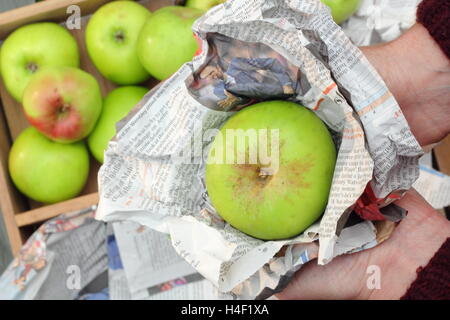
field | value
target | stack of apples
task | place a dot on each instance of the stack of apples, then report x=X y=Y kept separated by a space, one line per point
x=40 y=66
x=48 y=161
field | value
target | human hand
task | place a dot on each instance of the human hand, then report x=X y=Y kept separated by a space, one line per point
x=418 y=75
x=412 y=244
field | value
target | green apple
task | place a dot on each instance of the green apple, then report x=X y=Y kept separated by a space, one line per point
x=48 y=171
x=166 y=41
x=275 y=200
x=116 y=106
x=32 y=47
x=341 y=10
x=111 y=36
x=63 y=103
x=203 y=4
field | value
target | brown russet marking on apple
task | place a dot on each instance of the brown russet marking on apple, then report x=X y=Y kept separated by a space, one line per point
x=299 y=168
x=252 y=171
x=283 y=180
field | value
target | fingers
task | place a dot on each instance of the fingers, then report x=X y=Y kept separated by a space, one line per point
x=302 y=285
x=342 y=278
x=345 y=277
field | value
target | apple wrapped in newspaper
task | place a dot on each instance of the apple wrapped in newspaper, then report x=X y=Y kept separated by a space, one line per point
x=286 y=163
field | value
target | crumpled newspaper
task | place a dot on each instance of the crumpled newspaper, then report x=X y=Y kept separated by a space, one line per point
x=288 y=49
x=61 y=257
x=434 y=186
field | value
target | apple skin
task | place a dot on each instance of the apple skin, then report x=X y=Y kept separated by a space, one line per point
x=341 y=10
x=31 y=47
x=284 y=204
x=63 y=103
x=111 y=37
x=166 y=41
x=204 y=5
x=48 y=171
x=117 y=104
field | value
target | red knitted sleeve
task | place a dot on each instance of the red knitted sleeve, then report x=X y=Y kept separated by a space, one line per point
x=434 y=15
x=433 y=281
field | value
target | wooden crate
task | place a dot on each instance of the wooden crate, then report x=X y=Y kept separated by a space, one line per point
x=19 y=213
x=442 y=155
x=442 y=162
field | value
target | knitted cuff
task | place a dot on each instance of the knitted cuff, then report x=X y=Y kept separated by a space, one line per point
x=433 y=281
x=434 y=15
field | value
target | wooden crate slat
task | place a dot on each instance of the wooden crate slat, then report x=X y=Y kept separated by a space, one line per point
x=53 y=210
x=52 y=10
x=10 y=200
x=442 y=155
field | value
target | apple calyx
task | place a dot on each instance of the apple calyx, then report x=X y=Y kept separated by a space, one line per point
x=265 y=175
x=119 y=36
x=264 y=172
x=63 y=110
x=32 y=67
